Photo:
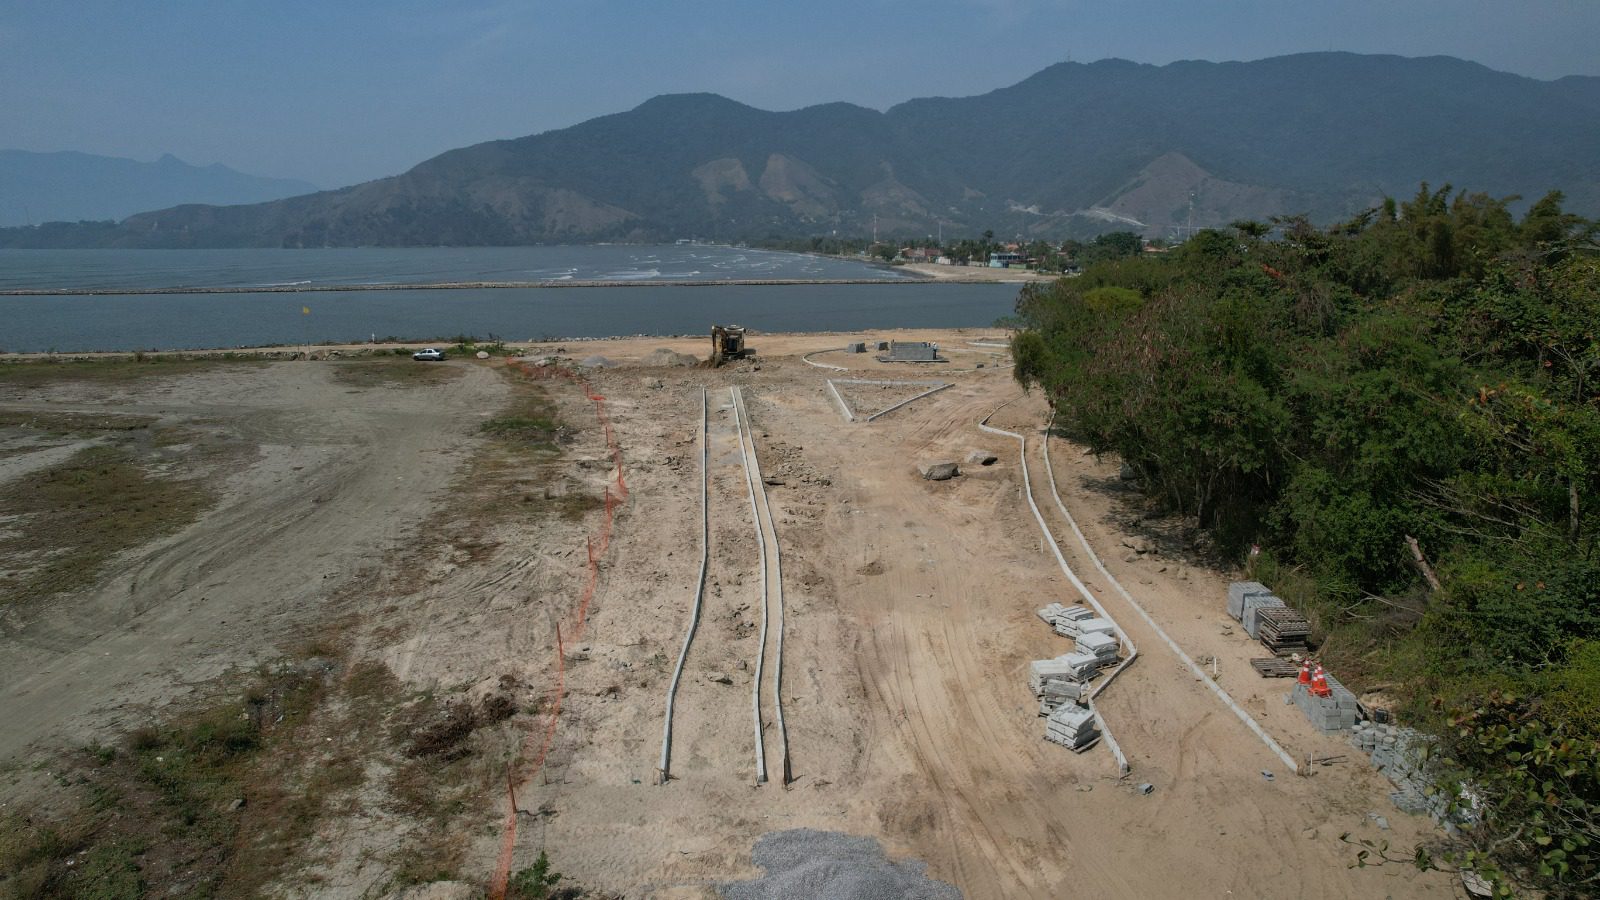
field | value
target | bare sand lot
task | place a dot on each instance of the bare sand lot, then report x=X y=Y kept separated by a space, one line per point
x=421 y=544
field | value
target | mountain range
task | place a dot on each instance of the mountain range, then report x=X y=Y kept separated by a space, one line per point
x=1075 y=149
x=68 y=186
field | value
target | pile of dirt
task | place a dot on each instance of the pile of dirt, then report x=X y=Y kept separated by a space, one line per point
x=596 y=362
x=666 y=357
x=832 y=866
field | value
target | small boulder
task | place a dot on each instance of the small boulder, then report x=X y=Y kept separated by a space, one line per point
x=482 y=354
x=720 y=678
x=982 y=458
x=939 y=471
x=1126 y=473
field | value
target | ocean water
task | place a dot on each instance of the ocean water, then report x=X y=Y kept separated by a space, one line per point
x=195 y=321
x=145 y=269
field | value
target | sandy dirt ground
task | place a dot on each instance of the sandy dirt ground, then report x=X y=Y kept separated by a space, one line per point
x=910 y=624
x=334 y=477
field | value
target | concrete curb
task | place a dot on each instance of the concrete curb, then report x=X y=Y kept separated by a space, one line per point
x=663 y=773
x=1171 y=644
x=1050 y=538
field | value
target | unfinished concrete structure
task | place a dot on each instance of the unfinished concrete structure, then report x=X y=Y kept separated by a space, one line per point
x=912 y=351
x=727 y=342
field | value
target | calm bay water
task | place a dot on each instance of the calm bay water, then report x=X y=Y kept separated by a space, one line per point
x=193 y=321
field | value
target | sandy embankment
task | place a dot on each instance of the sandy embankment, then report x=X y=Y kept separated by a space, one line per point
x=976 y=274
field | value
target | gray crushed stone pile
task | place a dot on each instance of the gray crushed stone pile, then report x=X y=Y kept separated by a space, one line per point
x=828 y=865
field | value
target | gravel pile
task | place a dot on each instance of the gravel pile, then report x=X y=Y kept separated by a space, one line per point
x=829 y=865
x=667 y=357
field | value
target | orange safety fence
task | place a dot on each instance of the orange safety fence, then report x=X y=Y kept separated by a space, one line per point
x=596 y=545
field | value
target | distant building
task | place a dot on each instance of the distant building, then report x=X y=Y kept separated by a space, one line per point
x=1005 y=260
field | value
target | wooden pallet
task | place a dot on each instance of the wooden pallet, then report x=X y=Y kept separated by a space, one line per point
x=1273 y=667
x=1284 y=631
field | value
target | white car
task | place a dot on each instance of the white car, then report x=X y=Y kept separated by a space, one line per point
x=428 y=355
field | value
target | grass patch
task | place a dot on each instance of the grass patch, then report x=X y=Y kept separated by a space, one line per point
x=79 y=514
x=226 y=800
x=393 y=371
x=63 y=423
x=532 y=432
x=117 y=370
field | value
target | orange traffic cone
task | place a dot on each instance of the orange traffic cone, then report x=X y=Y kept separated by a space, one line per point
x=1319 y=683
x=1305 y=672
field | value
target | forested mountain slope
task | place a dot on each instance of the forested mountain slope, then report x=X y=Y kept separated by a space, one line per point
x=1075 y=149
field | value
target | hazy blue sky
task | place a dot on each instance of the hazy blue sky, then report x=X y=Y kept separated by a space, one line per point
x=338 y=91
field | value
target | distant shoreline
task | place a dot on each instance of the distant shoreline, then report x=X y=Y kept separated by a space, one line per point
x=980 y=276
x=454 y=286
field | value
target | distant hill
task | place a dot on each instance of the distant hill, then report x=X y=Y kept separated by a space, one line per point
x=68 y=186
x=1075 y=149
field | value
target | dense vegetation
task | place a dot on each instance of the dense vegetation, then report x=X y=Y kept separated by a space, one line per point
x=1402 y=415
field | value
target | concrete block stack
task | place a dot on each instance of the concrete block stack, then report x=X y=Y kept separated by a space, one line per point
x=1044 y=671
x=1072 y=727
x=1333 y=713
x=1252 y=603
x=1049 y=613
x=1078 y=627
x=1058 y=692
x=1101 y=646
x=1085 y=666
x=1238 y=591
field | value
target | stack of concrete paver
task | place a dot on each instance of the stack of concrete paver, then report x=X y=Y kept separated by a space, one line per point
x=1059 y=691
x=1101 y=646
x=1072 y=727
x=1252 y=603
x=1083 y=666
x=1044 y=671
x=1239 y=590
x=1091 y=624
x=1335 y=712
x=1400 y=754
x=1049 y=613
